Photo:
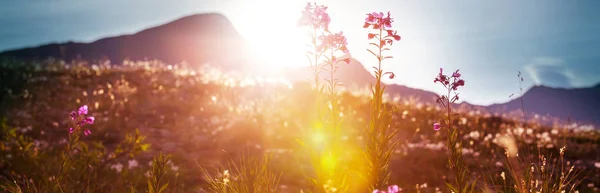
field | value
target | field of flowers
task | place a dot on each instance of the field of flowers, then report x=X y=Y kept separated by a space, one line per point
x=151 y=127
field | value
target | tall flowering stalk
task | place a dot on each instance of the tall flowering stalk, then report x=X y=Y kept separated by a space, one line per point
x=323 y=42
x=379 y=139
x=315 y=18
x=455 y=163
x=332 y=44
x=79 y=119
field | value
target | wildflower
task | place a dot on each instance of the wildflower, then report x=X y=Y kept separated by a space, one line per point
x=336 y=41
x=73 y=115
x=132 y=163
x=378 y=22
x=391 y=189
x=81 y=120
x=437 y=126
x=117 y=167
x=89 y=120
x=315 y=16
x=441 y=78
x=393 y=34
x=456 y=74
x=445 y=81
x=83 y=110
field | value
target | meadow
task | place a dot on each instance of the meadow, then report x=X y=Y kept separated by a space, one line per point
x=174 y=128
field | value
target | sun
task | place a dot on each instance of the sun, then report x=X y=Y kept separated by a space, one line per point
x=273 y=34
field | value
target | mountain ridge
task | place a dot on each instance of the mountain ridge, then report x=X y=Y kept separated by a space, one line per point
x=210 y=38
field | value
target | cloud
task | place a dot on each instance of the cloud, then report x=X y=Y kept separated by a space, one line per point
x=550 y=71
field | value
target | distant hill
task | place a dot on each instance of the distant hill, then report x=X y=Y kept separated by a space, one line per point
x=580 y=104
x=211 y=38
x=355 y=75
x=196 y=39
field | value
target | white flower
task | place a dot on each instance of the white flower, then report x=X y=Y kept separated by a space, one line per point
x=132 y=163
x=117 y=167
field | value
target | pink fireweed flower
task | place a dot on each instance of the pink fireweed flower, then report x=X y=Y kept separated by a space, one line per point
x=441 y=78
x=83 y=110
x=393 y=34
x=456 y=74
x=437 y=126
x=452 y=83
x=445 y=80
x=315 y=16
x=80 y=119
x=381 y=23
x=89 y=120
x=73 y=115
x=336 y=41
x=391 y=189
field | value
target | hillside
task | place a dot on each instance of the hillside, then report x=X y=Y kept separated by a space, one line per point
x=211 y=39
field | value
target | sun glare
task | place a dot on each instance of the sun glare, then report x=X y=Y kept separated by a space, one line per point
x=274 y=35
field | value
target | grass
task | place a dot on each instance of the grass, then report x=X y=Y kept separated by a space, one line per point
x=261 y=124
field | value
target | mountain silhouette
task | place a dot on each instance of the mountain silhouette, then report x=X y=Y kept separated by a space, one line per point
x=579 y=104
x=211 y=38
x=195 y=39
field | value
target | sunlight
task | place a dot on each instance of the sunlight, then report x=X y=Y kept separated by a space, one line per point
x=277 y=42
x=319 y=138
x=328 y=162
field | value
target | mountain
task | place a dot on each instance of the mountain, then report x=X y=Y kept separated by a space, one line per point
x=581 y=104
x=211 y=38
x=354 y=75
x=196 y=39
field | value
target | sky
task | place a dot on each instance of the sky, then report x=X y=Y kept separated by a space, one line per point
x=553 y=43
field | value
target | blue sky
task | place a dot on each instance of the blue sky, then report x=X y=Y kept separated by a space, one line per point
x=554 y=43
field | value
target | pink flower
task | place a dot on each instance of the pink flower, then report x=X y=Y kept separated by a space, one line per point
x=456 y=74
x=315 y=16
x=393 y=34
x=89 y=120
x=378 y=21
x=437 y=126
x=442 y=78
x=80 y=119
x=458 y=83
x=335 y=41
x=391 y=189
x=83 y=110
x=73 y=115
